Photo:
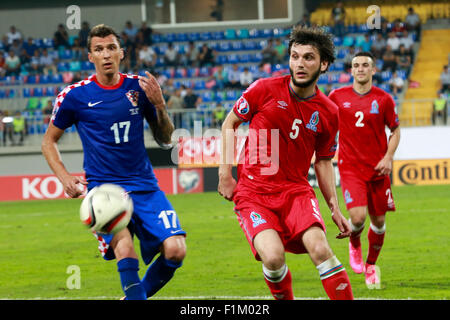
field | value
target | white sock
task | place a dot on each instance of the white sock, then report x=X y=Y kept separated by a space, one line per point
x=329 y=267
x=275 y=275
x=355 y=228
x=378 y=230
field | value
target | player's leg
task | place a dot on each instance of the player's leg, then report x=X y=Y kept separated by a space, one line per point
x=159 y=231
x=128 y=265
x=332 y=274
x=173 y=251
x=357 y=219
x=276 y=273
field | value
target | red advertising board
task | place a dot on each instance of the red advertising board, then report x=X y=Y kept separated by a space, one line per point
x=34 y=187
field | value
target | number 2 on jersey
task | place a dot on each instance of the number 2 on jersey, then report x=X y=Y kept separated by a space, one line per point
x=360 y=116
x=115 y=127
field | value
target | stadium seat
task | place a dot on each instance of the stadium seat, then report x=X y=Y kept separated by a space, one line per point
x=224 y=46
x=218 y=35
x=205 y=36
x=230 y=34
x=192 y=72
x=237 y=46
x=2 y=94
x=250 y=45
x=181 y=37
x=207 y=96
x=242 y=33
x=222 y=59
x=199 y=85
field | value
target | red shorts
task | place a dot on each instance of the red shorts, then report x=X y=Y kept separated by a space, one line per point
x=375 y=194
x=290 y=213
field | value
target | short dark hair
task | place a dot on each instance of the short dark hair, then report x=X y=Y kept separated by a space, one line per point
x=316 y=37
x=365 y=54
x=102 y=31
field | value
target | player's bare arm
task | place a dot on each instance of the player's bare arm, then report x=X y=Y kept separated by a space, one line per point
x=385 y=165
x=51 y=153
x=327 y=184
x=162 y=128
x=227 y=183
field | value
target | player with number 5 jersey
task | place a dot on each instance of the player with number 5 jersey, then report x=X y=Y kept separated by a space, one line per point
x=290 y=120
x=365 y=159
x=108 y=110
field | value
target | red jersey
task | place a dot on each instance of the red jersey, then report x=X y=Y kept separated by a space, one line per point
x=362 y=135
x=284 y=132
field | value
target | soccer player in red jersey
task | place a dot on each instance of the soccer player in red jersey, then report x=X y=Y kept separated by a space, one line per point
x=290 y=120
x=365 y=160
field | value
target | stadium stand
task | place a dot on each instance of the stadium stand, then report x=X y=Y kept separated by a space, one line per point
x=30 y=90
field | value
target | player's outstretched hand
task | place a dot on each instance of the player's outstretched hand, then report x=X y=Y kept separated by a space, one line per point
x=152 y=89
x=73 y=186
x=226 y=187
x=342 y=224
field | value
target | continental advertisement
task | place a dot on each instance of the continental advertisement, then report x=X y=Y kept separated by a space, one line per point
x=421 y=172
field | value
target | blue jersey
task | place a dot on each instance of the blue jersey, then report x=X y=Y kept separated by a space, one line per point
x=110 y=122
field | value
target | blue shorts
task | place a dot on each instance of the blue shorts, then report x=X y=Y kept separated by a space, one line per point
x=153 y=221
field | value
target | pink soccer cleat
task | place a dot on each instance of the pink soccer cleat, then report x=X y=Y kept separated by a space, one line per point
x=356 y=261
x=373 y=278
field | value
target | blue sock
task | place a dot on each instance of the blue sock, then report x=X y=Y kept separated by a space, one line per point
x=131 y=284
x=158 y=274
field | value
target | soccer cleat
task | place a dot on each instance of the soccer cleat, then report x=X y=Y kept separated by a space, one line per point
x=356 y=261
x=372 y=273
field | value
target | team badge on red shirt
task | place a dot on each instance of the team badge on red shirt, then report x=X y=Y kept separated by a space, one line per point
x=242 y=106
x=314 y=121
x=133 y=97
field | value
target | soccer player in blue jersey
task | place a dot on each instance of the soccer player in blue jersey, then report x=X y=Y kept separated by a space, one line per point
x=108 y=110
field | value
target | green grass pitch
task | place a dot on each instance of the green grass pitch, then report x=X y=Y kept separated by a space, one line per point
x=41 y=240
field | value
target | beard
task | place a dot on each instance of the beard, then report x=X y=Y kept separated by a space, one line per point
x=307 y=83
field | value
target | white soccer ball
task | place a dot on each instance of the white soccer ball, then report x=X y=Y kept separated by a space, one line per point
x=106 y=209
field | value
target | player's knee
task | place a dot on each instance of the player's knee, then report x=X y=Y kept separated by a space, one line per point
x=273 y=260
x=320 y=252
x=174 y=250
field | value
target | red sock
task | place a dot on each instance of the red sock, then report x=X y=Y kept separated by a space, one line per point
x=355 y=238
x=338 y=286
x=376 y=239
x=281 y=290
x=335 y=279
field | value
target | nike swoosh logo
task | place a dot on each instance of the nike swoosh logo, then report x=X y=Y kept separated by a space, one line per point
x=90 y=104
x=131 y=285
x=171 y=231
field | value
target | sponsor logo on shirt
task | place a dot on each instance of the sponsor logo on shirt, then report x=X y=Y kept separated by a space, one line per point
x=133 y=97
x=347 y=104
x=314 y=121
x=375 y=108
x=242 y=106
x=257 y=219
x=281 y=104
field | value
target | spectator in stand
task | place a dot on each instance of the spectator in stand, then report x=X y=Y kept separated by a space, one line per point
x=378 y=46
x=2 y=64
x=398 y=27
x=384 y=29
x=191 y=100
x=35 y=63
x=393 y=41
x=2 y=128
x=281 y=50
x=147 y=57
x=192 y=55
x=12 y=64
x=176 y=103
x=47 y=63
x=439 y=106
x=147 y=33
x=30 y=46
x=396 y=83
x=403 y=60
x=83 y=34
x=338 y=19
x=408 y=42
x=245 y=78
x=12 y=35
x=206 y=56
x=445 y=80
x=269 y=54
x=219 y=114
x=61 y=37
x=79 y=53
x=234 y=77
x=25 y=60
x=131 y=31
x=8 y=128
x=412 y=22
x=366 y=44
x=261 y=72
x=389 y=59
x=19 y=127
x=171 y=56
x=16 y=46
x=220 y=76
x=348 y=58
x=47 y=112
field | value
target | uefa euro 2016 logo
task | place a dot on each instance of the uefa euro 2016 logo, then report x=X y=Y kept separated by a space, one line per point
x=314 y=121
